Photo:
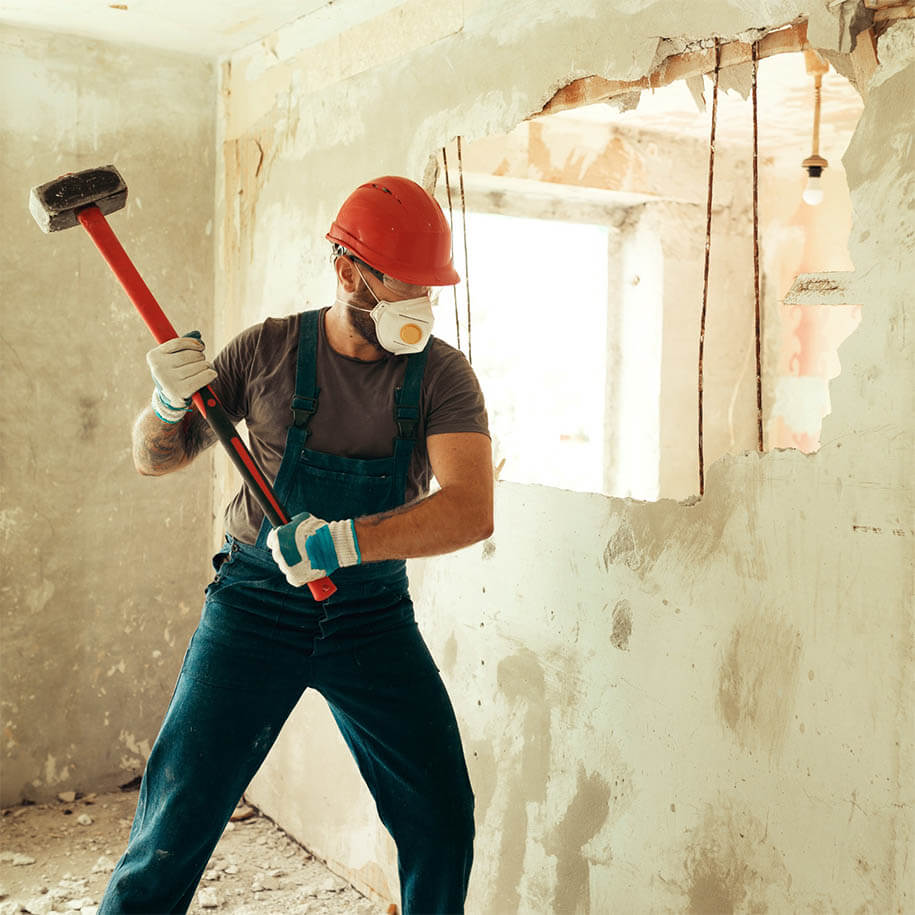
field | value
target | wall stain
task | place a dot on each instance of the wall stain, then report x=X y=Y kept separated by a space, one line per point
x=583 y=819
x=521 y=680
x=730 y=866
x=621 y=548
x=489 y=549
x=758 y=682
x=622 y=625
x=449 y=654
x=88 y=417
x=481 y=763
x=640 y=540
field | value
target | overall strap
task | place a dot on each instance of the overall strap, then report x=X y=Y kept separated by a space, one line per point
x=406 y=397
x=407 y=415
x=304 y=405
x=305 y=399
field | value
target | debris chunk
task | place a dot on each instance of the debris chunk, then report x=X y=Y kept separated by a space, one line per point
x=84 y=819
x=264 y=882
x=242 y=812
x=68 y=797
x=40 y=905
x=104 y=865
x=332 y=884
x=208 y=898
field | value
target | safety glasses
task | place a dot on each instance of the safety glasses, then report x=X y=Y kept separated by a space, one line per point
x=407 y=290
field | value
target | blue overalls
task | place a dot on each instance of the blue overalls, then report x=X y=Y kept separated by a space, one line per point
x=261 y=642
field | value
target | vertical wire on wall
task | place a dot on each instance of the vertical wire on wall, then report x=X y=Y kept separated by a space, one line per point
x=756 y=291
x=457 y=319
x=466 y=261
x=708 y=245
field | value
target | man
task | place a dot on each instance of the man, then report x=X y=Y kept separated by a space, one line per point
x=351 y=409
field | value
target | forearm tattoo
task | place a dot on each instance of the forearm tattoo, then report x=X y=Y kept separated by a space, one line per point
x=198 y=435
x=160 y=448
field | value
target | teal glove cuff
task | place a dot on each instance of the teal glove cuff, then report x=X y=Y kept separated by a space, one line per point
x=327 y=546
x=334 y=546
x=322 y=553
x=285 y=538
x=166 y=411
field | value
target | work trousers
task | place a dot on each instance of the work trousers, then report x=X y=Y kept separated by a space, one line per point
x=252 y=656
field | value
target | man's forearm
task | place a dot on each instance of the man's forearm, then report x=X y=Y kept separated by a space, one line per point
x=160 y=448
x=441 y=523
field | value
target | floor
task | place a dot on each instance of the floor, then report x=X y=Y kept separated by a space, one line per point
x=57 y=858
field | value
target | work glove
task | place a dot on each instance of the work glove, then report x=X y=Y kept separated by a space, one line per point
x=308 y=548
x=179 y=368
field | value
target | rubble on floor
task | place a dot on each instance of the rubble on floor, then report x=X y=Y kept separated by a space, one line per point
x=56 y=859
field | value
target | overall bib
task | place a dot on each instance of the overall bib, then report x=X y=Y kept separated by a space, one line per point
x=261 y=643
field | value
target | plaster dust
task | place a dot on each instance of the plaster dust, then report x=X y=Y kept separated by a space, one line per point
x=52 y=859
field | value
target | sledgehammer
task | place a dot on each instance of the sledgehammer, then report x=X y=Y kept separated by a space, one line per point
x=85 y=198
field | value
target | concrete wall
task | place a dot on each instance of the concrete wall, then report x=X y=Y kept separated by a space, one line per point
x=666 y=707
x=102 y=570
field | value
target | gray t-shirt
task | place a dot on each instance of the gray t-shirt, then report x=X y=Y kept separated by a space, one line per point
x=355 y=417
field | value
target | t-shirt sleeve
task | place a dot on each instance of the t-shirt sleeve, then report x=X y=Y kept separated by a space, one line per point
x=232 y=366
x=456 y=402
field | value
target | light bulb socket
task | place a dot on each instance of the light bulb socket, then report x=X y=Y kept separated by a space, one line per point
x=814 y=165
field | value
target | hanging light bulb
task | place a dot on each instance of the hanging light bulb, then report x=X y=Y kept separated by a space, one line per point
x=815 y=163
x=813 y=193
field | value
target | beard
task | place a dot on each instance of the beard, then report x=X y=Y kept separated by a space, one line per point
x=361 y=320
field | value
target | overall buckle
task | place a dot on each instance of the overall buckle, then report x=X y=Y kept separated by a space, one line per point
x=303 y=408
x=407 y=419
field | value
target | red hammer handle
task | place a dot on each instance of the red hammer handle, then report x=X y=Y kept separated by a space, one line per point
x=206 y=401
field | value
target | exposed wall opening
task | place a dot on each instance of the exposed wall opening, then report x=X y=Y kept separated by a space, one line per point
x=586 y=235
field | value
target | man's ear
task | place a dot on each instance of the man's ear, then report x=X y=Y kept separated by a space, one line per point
x=347 y=276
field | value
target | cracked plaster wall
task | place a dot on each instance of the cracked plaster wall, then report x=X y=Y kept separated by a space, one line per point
x=687 y=707
x=103 y=570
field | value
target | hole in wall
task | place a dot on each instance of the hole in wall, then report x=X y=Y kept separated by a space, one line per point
x=586 y=234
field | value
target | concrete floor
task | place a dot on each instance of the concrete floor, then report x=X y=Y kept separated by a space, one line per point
x=57 y=858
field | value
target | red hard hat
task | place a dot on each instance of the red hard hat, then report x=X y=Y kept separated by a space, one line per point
x=395 y=226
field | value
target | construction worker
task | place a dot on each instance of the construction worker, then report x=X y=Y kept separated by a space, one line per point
x=352 y=409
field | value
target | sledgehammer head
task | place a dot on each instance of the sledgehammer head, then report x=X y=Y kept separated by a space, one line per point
x=56 y=204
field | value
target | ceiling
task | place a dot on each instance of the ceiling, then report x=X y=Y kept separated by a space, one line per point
x=215 y=28
x=785 y=111
x=206 y=28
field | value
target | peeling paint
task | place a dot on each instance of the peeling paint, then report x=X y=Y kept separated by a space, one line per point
x=51 y=775
x=622 y=625
x=38 y=598
x=130 y=741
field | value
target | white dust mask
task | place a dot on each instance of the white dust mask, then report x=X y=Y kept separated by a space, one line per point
x=402 y=327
